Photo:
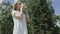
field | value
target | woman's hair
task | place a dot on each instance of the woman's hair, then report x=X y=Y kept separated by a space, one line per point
x=15 y=7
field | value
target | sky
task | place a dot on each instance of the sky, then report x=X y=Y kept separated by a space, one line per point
x=1 y=1
x=55 y=4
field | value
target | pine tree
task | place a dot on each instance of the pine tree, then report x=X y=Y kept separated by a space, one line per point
x=42 y=20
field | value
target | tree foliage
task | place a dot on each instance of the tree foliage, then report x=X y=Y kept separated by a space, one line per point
x=6 y=18
x=41 y=13
x=42 y=17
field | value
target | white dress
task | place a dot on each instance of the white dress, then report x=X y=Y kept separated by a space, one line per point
x=20 y=26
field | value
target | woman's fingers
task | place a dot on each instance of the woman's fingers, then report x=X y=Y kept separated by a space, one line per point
x=19 y=17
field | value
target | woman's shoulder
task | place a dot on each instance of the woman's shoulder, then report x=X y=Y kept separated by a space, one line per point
x=13 y=11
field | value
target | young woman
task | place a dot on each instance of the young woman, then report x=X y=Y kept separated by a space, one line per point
x=20 y=17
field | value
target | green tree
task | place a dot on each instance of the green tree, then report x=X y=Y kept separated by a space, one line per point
x=6 y=18
x=41 y=14
x=42 y=17
x=58 y=17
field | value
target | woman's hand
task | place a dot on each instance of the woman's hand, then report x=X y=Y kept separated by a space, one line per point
x=27 y=15
x=19 y=17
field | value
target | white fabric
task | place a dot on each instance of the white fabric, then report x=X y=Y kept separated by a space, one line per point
x=20 y=26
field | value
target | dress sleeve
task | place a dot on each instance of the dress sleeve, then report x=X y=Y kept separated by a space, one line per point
x=14 y=13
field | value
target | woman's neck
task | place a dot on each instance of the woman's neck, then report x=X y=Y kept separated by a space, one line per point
x=17 y=9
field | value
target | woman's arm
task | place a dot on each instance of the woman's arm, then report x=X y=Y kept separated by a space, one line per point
x=27 y=15
x=16 y=15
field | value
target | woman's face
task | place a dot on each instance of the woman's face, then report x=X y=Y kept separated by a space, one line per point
x=18 y=6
